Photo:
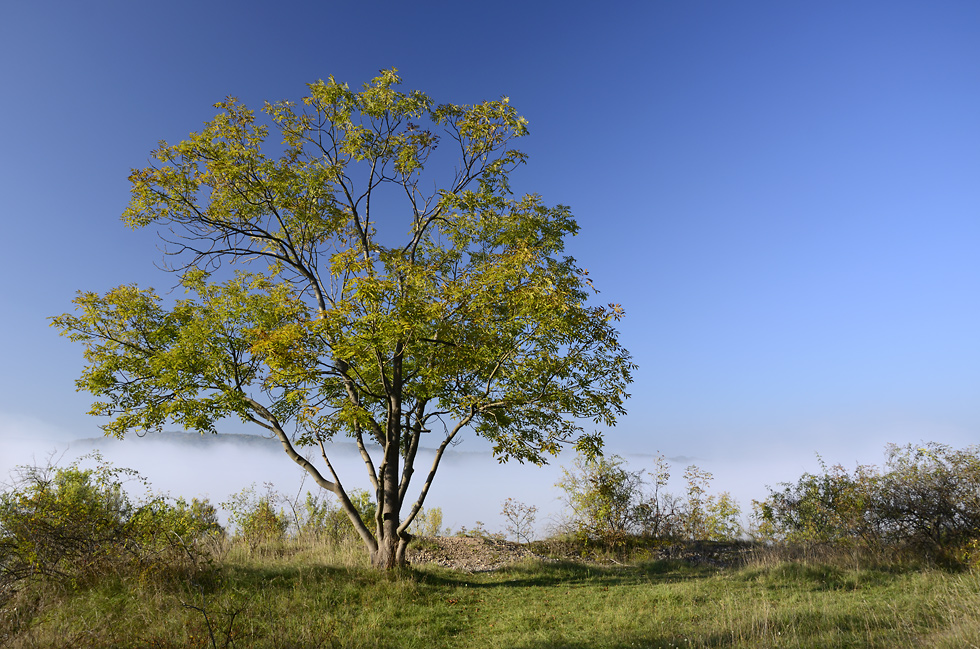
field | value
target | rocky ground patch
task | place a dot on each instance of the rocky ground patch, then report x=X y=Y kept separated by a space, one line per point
x=469 y=553
x=483 y=553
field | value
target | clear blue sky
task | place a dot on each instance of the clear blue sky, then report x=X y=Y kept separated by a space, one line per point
x=784 y=196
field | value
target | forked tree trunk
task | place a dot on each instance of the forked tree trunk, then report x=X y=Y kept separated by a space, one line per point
x=391 y=553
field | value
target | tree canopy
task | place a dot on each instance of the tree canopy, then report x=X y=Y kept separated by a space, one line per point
x=367 y=274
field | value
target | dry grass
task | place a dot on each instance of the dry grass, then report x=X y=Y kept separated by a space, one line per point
x=293 y=595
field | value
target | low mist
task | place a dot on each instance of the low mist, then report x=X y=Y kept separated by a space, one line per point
x=469 y=487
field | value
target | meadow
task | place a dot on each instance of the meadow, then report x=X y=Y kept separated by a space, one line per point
x=294 y=596
x=873 y=558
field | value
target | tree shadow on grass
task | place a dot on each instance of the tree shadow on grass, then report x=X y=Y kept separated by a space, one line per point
x=434 y=606
x=523 y=575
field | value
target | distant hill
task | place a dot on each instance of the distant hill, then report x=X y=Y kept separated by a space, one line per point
x=224 y=440
x=196 y=440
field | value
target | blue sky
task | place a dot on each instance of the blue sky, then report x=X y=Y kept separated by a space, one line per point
x=783 y=196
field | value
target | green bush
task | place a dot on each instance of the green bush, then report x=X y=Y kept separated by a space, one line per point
x=325 y=519
x=929 y=498
x=268 y=518
x=925 y=500
x=76 y=525
x=256 y=518
x=605 y=499
x=428 y=522
x=703 y=516
x=832 y=507
x=610 y=503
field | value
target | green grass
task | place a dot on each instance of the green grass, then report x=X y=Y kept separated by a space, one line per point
x=306 y=599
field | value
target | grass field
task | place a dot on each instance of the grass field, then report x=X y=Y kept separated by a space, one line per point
x=324 y=598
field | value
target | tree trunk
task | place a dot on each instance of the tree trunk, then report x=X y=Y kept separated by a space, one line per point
x=400 y=558
x=390 y=553
x=386 y=556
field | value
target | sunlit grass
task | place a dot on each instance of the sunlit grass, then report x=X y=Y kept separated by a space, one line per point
x=294 y=597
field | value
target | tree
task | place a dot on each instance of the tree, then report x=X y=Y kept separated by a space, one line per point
x=378 y=303
x=705 y=516
x=606 y=499
x=520 y=519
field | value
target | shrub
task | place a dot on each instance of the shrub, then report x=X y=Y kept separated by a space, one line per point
x=76 y=525
x=366 y=508
x=610 y=503
x=255 y=518
x=929 y=498
x=428 y=522
x=926 y=500
x=831 y=507
x=605 y=498
x=261 y=518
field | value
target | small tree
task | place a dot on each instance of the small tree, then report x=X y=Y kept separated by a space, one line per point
x=605 y=499
x=390 y=296
x=520 y=519
x=659 y=512
x=706 y=516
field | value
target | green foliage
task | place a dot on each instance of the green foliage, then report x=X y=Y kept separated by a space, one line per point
x=366 y=508
x=605 y=498
x=429 y=523
x=320 y=519
x=324 y=520
x=610 y=503
x=705 y=516
x=76 y=525
x=255 y=517
x=929 y=497
x=349 y=321
x=830 y=507
x=267 y=518
x=926 y=499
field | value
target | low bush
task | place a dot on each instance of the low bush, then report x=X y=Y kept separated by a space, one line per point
x=74 y=525
x=611 y=504
x=266 y=519
x=925 y=501
x=256 y=519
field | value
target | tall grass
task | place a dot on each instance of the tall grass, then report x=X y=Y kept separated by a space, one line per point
x=305 y=595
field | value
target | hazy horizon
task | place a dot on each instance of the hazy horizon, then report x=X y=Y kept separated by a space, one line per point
x=470 y=486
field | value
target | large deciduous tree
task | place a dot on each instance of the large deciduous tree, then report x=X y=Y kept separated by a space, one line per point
x=381 y=293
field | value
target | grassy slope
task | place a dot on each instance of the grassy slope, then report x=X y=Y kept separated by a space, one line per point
x=309 y=600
